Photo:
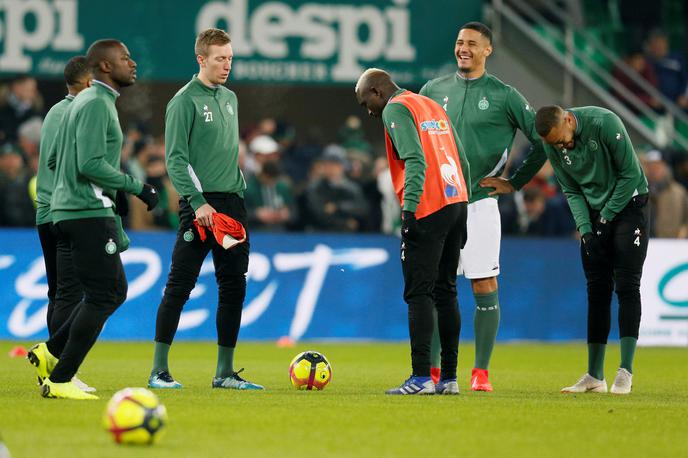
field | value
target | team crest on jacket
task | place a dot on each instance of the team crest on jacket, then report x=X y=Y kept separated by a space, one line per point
x=484 y=104
x=450 y=174
x=230 y=110
x=592 y=144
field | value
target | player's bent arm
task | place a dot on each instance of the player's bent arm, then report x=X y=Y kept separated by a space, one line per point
x=91 y=146
x=576 y=199
x=522 y=115
x=178 y=123
x=401 y=128
x=615 y=137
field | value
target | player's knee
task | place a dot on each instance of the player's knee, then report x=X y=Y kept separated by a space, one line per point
x=627 y=285
x=232 y=288
x=484 y=285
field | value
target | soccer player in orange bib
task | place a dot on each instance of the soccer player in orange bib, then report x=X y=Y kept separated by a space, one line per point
x=432 y=181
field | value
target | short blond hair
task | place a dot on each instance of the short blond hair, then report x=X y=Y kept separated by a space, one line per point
x=210 y=37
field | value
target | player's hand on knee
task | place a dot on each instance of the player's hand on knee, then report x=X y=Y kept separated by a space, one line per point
x=149 y=196
x=204 y=215
x=500 y=185
x=588 y=240
x=410 y=229
x=602 y=229
x=592 y=245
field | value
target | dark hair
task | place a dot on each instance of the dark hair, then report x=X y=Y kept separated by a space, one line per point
x=97 y=52
x=76 y=69
x=479 y=27
x=208 y=38
x=546 y=118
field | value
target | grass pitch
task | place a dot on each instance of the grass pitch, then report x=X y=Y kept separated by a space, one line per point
x=525 y=416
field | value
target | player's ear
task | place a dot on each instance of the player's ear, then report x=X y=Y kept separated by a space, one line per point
x=105 y=66
x=201 y=60
x=488 y=51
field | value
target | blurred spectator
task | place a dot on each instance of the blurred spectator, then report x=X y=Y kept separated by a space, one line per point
x=545 y=180
x=16 y=202
x=299 y=158
x=334 y=202
x=680 y=166
x=637 y=61
x=669 y=200
x=352 y=137
x=670 y=68
x=529 y=213
x=389 y=203
x=268 y=196
x=134 y=142
x=29 y=137
x=21 y=103
x=165 y=214
x=362 y=172
x=262 y=148
x=266 y=126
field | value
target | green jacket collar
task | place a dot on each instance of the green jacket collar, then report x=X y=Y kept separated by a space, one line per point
x=207 y=89
x=579 y=126
x=400 y=91
x=470 y=82
x=106 y=88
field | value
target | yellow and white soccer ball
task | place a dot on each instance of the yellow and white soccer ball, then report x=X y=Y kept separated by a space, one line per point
x=135 y=416
x=310 y=370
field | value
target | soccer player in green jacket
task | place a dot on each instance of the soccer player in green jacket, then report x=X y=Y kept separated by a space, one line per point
x=599 y=172
x=86 y=165
x=78 y=76
x=202 y=153
x=486 y=114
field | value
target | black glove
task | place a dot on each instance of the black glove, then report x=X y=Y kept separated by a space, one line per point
x=149 y=196
x=602 y=229
x=588 y=241
x=121 y=203
x=410 y=229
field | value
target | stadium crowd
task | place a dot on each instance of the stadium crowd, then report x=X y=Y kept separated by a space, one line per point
x=297 y=182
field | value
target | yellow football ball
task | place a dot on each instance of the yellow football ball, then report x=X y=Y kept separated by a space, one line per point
x=310 y=370
x=135 y=416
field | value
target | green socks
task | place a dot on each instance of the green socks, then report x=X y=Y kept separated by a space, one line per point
x=596 y=356
x=435 y=347
x=225 y=362
x=160 y=357
x=628 y=352
x=486 y=321
x=596 y=360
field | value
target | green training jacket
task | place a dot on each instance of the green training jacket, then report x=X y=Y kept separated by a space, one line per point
x=202 y=142
x=602 y=170
x=486 y=113
x=87 y=158
x=45 y=178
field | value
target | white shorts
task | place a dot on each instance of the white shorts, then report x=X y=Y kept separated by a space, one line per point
x=480 y=256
